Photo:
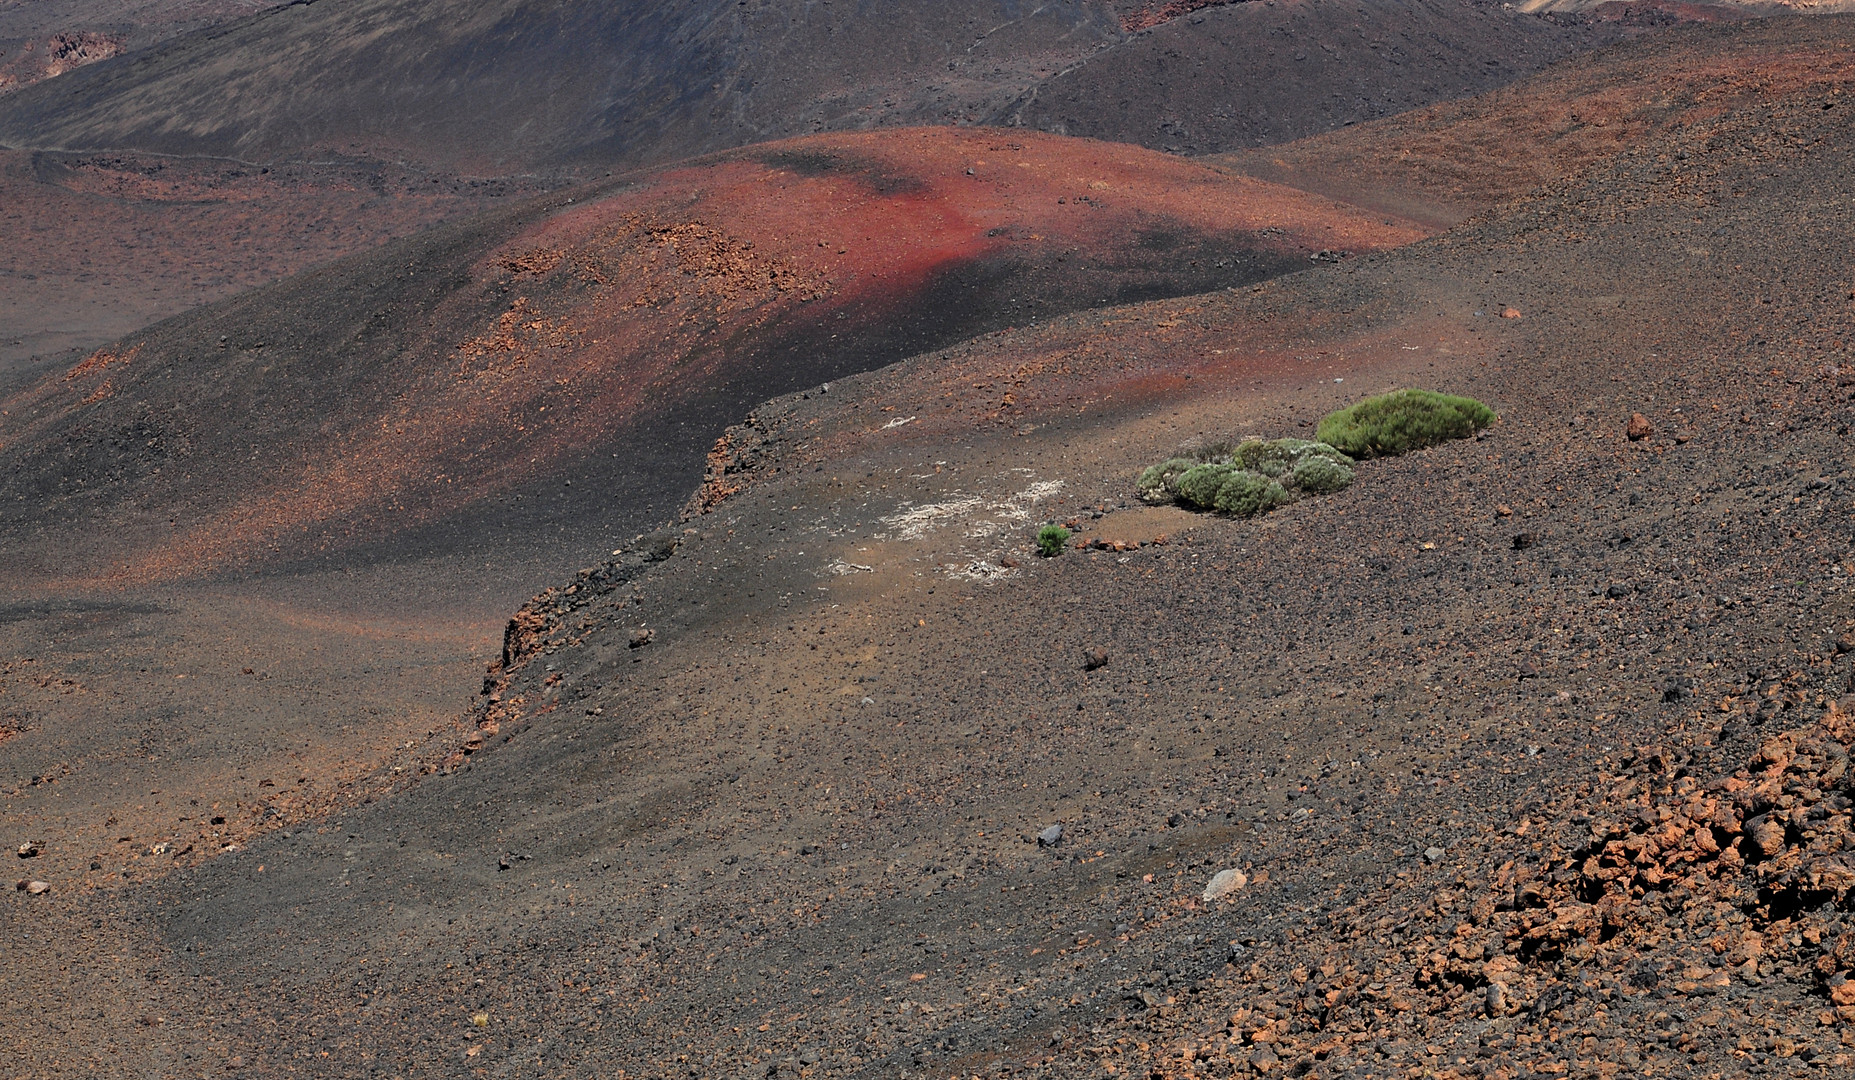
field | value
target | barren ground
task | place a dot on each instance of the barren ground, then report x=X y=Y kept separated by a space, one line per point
x=757 y=794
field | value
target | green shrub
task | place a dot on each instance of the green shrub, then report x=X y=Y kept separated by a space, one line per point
x=1159 y=483
x=1211 y=453
x=1246 y=494
x=1247 y=478
x=1402 y=420
x=1321 y=475
x=1198 y=485
x=1051 y=539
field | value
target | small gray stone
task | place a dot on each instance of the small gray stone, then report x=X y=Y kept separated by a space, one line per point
x=1050 y=837
x=1496 y=999
x=1434 y=854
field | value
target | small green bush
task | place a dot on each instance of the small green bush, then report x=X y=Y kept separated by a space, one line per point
x=1213 y=453
x=1275 y=457
x=1198 y=485
x=1159 y=483
x=1401 y=421
x=1051 y=539
x=1246 y=478
x=1247 y=494
x=1318 y=475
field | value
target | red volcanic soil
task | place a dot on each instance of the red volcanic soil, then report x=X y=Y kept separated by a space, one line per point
x=99 y=245
x=585 y=341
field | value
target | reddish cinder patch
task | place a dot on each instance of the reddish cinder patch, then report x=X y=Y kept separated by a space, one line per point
x=1154 y=14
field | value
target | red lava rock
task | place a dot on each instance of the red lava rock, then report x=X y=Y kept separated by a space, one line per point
x=1639 y=428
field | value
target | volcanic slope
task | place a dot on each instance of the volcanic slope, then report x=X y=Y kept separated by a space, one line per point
x=100 y=245
x=1442 y=163
x=47 y=38
x=461 y=391
x=516 y=84
x=758 y=796
x=1237 y=75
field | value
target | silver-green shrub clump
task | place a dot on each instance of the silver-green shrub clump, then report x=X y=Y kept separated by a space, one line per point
x=1246 y=494
x=1253 y=477
x=1159 y=483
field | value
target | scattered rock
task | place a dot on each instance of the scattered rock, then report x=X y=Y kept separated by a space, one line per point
x=1510 y=313
x=1525 y=540
x=1846 y=643
x=1094 y=658
x=35 y=888
x=1504 y=510
x=1495 y=999
x=642 y=637
x=1225 y=883
x=30 y=849
x=1434 y=854
x=1050 y=837
x=1617 y=592
x=1639 y=427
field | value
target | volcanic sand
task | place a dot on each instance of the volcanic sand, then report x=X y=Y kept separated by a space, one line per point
x=862 y=625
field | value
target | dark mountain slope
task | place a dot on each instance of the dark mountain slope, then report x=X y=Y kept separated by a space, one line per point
x=521 y=84
x=513 y=84
x=1240 y=75
x=460 y=390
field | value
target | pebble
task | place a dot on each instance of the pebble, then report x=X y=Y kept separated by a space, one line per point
x=1050 y=837
x=641 y=638
x=1496 y=999
x=30 y=849
x=1434 y=854
x=1225 y=883
x=33 y=887
x=1639 y=428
